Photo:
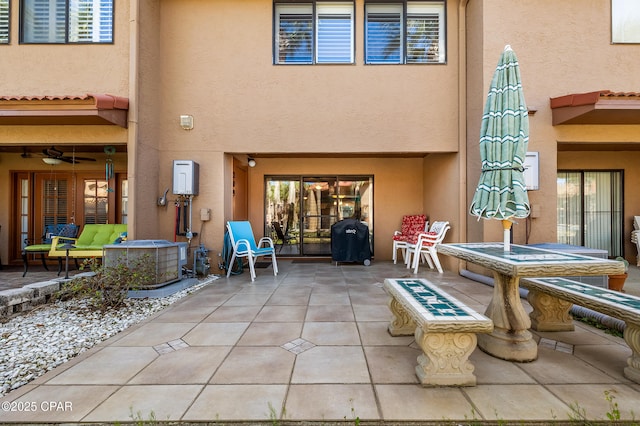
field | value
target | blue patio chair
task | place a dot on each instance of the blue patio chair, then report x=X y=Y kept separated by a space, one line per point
x=244 y=245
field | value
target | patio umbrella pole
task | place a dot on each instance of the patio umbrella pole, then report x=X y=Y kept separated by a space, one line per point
x=506 y=226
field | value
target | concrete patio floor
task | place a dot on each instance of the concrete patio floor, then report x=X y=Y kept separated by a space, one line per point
x=311 y=345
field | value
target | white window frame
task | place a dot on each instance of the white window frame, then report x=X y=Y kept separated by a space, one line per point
x=66 y=21
x=435 y=54
x=339 y=47
x=5 y=14
x=625 y=21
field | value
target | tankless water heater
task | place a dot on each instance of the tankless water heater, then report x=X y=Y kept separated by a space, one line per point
x=185 y=177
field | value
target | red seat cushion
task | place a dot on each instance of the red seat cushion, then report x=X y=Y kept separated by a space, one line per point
x=412 y=224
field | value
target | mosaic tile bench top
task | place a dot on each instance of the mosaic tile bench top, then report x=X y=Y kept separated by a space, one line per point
x=431 y=303
x=529 y=261
x=586 y=295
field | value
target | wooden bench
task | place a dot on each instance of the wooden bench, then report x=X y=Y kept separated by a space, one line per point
x=444 y=328
x=552 y=298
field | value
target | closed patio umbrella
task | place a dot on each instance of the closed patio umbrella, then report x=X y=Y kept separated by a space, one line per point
x=504 y=135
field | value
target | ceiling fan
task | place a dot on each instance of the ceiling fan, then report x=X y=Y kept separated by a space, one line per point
x=59 y=155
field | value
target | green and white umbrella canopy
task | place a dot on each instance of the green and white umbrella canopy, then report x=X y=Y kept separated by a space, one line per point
x=504 y=135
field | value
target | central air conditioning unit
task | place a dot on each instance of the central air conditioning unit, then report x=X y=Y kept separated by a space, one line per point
x=161 y=260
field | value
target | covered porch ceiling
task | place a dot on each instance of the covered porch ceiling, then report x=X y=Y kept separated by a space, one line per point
x=89 y=109
x=599 y=107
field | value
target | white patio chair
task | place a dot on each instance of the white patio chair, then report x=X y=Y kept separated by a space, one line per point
x=244 y=245
x=425 y=247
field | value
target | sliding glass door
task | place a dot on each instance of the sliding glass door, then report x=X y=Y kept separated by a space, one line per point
x=590 y=210
x=299 y=210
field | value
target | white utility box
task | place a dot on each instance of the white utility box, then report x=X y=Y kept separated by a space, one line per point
x=185 y=177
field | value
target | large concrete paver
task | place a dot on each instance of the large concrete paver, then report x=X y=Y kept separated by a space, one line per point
x=238 y=402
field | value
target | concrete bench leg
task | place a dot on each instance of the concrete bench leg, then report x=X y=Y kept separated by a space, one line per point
x=445 y=358
x=632 y=337
x=549 y=313
x=402 y=324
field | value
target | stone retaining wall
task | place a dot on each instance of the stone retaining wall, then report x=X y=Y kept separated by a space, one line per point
x=16 y=300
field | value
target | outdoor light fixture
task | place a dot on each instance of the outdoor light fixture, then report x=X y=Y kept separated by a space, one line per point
x=186 y=122
x=251 y=162
x=52 y=161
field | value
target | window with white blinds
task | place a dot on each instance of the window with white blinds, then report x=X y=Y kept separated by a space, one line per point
x=405 y=32
x=4 y=21
x=384 y=29
x=334 y=41
x=294 y=33
x=425 y=26
x=90 y=21
x=67 y=21
x=318 y=32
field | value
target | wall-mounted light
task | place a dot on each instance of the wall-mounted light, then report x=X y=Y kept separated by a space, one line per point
x=52 y=161
x=186 y=122
x=251 y=162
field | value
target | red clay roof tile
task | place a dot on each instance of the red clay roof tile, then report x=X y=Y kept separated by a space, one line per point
x=589 y=98
x=102 y=101
x=90 y=108
x=599 y=107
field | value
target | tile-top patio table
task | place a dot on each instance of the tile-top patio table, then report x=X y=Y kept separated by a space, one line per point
x=511 y=339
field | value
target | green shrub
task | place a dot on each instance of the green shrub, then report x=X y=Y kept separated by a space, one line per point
x=108 y=287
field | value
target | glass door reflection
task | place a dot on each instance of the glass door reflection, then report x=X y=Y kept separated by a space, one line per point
x=282 y=197
x=318 y=214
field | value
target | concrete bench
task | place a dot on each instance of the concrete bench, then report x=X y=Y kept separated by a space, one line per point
x=444 y=328
x=552 y=298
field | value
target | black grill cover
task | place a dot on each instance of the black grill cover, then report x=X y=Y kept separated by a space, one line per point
x=350 y=241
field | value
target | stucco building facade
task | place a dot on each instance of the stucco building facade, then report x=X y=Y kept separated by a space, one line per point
x=409 y=131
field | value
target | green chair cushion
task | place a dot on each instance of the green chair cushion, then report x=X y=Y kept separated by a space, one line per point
x=94 y=236
x=38 y=247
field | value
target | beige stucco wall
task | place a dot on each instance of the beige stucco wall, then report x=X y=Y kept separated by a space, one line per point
x=243 y=104
x=46 y=69
x=441 y=199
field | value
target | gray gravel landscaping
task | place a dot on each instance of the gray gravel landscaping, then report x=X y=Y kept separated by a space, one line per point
x=42 y=339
